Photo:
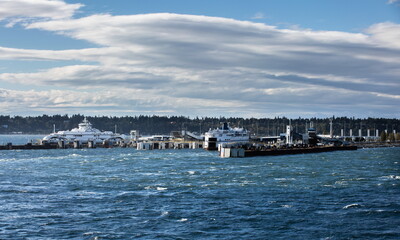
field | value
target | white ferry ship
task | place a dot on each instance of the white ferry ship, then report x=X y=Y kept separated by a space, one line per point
x=225 y=134
x=84 y=133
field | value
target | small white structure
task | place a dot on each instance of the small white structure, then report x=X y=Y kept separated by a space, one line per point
x=134 y=135
x=156 y=138
x=289 y=135
x=227 y=152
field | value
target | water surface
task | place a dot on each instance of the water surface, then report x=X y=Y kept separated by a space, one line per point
x=194 y=194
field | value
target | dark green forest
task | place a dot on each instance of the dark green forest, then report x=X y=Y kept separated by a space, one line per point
x=166 y=124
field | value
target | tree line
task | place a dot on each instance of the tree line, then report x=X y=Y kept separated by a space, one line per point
x=148 y=125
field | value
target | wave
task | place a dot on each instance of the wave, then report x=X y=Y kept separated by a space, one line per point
x=353 y=205
x=391 y=177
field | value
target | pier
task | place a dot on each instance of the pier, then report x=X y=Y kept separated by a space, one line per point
x=254 y=151
x=148 y=145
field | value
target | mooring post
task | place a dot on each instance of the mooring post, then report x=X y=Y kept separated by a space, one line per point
x=91 y=144
x=61 y=144
x=77 y=144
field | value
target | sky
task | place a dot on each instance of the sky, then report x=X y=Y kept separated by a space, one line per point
x=231 y=58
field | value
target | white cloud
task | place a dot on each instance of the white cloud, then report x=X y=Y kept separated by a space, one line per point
x=385 y=34
x=119 y=102
x=16 y=10
x=392 y=1
x=206 y=65
x=259 y=15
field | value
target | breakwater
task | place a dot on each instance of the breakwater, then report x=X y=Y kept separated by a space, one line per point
x=246 y=151
x=272 y=152
x=249 y=150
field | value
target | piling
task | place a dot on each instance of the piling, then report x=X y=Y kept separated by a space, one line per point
x=91 y=144
x=144 y=146
x=156 y=145
x=163 y=145
x=77 y=144
x=106 y=144
x=61 y=144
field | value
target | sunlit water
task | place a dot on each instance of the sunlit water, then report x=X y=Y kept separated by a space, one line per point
x=193 y=194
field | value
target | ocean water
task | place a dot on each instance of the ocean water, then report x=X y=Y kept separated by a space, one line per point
x=19 y=139
x=193 y=194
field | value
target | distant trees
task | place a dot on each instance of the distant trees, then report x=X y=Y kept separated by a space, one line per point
x=383 y=137
x=165 y=124
x=392 y=137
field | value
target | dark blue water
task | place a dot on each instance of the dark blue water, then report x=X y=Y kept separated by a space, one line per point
x=193 y=194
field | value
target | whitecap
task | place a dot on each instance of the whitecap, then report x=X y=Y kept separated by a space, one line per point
x=84 y=193
x=90 y=233
x=359 y=179
x=161 y=188
x=124 y=193
x=285 y=179
x=394 y=177
x=340 y=183
x=150 y=174
x=286 y=206
x=182 y=220
x=164 y=213
x=391 y=177
x=354 y=205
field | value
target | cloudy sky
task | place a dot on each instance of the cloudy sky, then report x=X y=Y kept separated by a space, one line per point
x=253 y=58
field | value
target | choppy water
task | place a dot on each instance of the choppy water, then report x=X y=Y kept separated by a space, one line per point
x=193 y=194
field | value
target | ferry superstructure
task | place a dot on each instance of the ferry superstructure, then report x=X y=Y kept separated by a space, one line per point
x=84 y=133
x=225 y=134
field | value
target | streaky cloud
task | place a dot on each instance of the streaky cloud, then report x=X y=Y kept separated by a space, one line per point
x=21 y=11
x=200 y=64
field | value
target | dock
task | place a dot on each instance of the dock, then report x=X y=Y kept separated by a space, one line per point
x=244 y=151
x=28 y=146
x=149 y=145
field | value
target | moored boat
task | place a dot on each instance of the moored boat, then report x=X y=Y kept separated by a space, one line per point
x=84 y=133
x=225 y=134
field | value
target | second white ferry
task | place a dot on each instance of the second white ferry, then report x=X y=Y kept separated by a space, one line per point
x=225 y=134
x=84 y=133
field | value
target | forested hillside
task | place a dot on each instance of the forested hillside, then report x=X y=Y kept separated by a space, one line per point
x=164 y=125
